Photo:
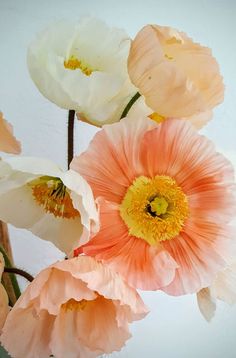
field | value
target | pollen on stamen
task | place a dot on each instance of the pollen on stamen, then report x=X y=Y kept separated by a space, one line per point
x=53 y=196
x=73 y=63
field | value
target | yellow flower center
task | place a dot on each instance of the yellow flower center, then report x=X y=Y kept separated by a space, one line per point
x=52 y=194
x=154 y=209
x=73 y=63
x=157 y=117
x=73 y=305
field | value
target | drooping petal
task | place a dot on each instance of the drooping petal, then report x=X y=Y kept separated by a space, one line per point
x=206 y=303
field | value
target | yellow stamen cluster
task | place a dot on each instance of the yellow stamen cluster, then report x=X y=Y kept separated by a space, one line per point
x=52 y=194
x=154 y=209
x=73 y=63
x=157 y=117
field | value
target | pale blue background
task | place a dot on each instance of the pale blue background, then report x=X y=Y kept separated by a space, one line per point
x=174 y=328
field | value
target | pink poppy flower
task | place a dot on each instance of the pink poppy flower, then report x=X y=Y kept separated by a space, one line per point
x=177 y=77
x=166 y=200
x=8 y=142
x=75 y=308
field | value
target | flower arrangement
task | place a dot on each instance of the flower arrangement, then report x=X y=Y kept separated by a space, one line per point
x=147 y=206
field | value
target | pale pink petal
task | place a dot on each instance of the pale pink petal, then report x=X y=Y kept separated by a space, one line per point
x=31 y=333
x=97 y=333
x=206 y=303
x=8 y=142
x=110 y=163
x=50 y=320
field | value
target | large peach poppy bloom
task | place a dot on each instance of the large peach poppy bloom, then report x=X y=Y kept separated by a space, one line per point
x=166 y=200
x=177 y=77
x=77 y=308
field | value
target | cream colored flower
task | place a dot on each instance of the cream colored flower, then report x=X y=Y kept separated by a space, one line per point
x=8 y=142
x=4 y=309
x=37 y=195
x=177 y=77
x=83 y=66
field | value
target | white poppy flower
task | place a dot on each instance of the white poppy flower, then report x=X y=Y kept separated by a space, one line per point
x=83 y=66
x=57 y=206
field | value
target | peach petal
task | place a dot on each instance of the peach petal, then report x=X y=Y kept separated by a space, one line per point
x=50 y=320
x=177 y=77
x=206 y=303
x=119 y=147
x=8 y=142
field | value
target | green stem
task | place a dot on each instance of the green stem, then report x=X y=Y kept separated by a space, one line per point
x=70 y=137
x=11 y=275
x=130 y=104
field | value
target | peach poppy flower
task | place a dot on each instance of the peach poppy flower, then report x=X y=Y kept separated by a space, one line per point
x=8 y=142
x=177 y=77
x=4 y=308
x=223 y=288
x=166 y=200
x=75 y=308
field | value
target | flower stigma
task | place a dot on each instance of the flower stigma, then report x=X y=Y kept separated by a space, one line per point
x=53 y=196
x=73 y=63
x=154 y=209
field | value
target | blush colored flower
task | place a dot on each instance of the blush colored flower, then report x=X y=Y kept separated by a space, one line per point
x=77 y=308
x=83 y=66
x=8 y=142
x=223 y=288
x=165 y=197
x=35 y=194
x=177 y=77
x=4 y=309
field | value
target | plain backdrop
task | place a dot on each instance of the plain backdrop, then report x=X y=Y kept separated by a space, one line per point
x=174 y=328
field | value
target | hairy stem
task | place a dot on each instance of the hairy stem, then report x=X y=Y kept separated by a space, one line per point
x=19 y=272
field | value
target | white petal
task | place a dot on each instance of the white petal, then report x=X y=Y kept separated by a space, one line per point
x=206 y=303
x=82 y=197
x=224 y=287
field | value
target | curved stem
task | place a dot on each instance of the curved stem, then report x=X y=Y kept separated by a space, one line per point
x=70 y=136
x=130 y=104
x=13 y=280
x=19 y=272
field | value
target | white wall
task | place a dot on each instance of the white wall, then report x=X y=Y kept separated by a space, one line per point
x=174 y=328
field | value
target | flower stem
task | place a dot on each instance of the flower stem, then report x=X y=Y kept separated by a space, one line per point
x=70 y=137
x=19 y=272
x=130 y=104
x=10 y=284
